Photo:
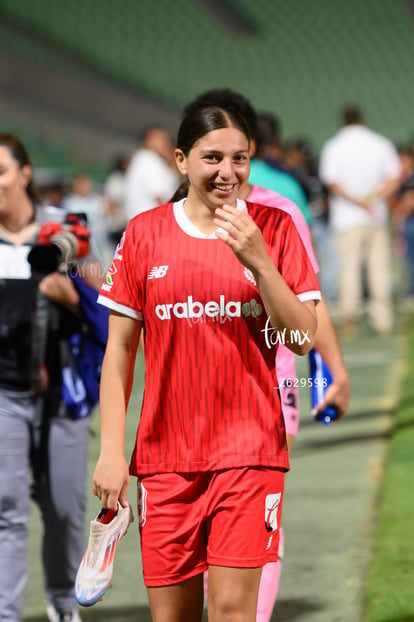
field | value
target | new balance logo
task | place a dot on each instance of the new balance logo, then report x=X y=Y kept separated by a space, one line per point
x=157 y=272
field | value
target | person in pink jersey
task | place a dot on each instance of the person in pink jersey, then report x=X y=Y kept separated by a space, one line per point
x=326 y=339
x=211 y=280
x=285 y=359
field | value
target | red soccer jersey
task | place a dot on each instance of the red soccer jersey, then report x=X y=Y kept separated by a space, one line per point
x=210 y=400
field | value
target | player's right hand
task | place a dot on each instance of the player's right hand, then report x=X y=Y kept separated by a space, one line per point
x=111 y=480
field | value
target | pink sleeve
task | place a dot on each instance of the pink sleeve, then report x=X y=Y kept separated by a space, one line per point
x=273 y=199
x=303 y=230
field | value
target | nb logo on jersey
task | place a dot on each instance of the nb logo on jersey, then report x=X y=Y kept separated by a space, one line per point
x=157 y=272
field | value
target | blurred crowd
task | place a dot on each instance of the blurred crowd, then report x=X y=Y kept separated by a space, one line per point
x=147 y=176
x=135 y=182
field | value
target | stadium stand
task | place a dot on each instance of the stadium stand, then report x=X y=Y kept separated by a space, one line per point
x=301 y=60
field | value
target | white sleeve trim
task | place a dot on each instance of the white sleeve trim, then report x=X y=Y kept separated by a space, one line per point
x=115 y=306
x=312 y=295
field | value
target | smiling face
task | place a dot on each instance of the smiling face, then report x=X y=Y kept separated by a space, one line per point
x=216 y=166
x=13 y=181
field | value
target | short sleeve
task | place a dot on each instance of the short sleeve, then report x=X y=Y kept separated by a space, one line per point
x=295 y=265
x=123 y=287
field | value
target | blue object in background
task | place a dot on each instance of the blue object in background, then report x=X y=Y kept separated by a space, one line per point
x=321 y=378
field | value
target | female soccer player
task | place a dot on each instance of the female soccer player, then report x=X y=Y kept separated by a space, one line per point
x=326 y=341
x=212 y=281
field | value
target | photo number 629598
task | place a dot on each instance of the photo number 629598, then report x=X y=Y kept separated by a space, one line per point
x=304 y=382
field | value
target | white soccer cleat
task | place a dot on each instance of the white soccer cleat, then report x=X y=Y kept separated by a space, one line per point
x=95 y=571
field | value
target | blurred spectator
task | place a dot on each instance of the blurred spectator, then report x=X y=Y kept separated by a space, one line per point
x=267 y=168
x=302 y=161
x=403 y=213
x=152 y=176
x=114 y=193
x=299 y=161
x=53 y=192
x=406 y=154
x=84 y=198
x=361 y=170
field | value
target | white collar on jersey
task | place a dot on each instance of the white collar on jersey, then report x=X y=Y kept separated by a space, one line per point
x=187 y=226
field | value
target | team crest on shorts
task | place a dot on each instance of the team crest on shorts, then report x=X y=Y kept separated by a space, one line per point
x=272 y=503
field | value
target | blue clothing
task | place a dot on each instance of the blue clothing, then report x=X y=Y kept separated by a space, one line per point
x=262 y=174
x=409 y=240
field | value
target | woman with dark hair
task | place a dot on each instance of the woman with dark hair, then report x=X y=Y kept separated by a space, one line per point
x=326 y=341
x=37 y=429
x=114 y=193
x=210 y=282
x=18 y=152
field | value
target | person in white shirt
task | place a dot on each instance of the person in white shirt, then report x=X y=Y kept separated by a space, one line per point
x=114 y=194
x=361 y=170
x=151 y=178
x=85 y=198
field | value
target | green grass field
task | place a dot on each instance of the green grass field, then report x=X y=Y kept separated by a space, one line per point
x=389 y=588
x=348 y=548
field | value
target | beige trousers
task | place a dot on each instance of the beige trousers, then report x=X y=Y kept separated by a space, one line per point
x=367 y=247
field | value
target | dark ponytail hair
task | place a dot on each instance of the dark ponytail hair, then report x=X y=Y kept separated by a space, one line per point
x=199 y=120
x=20 y=155
x=181 y=192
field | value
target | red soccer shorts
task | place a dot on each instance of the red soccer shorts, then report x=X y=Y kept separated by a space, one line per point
x=224 y=518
